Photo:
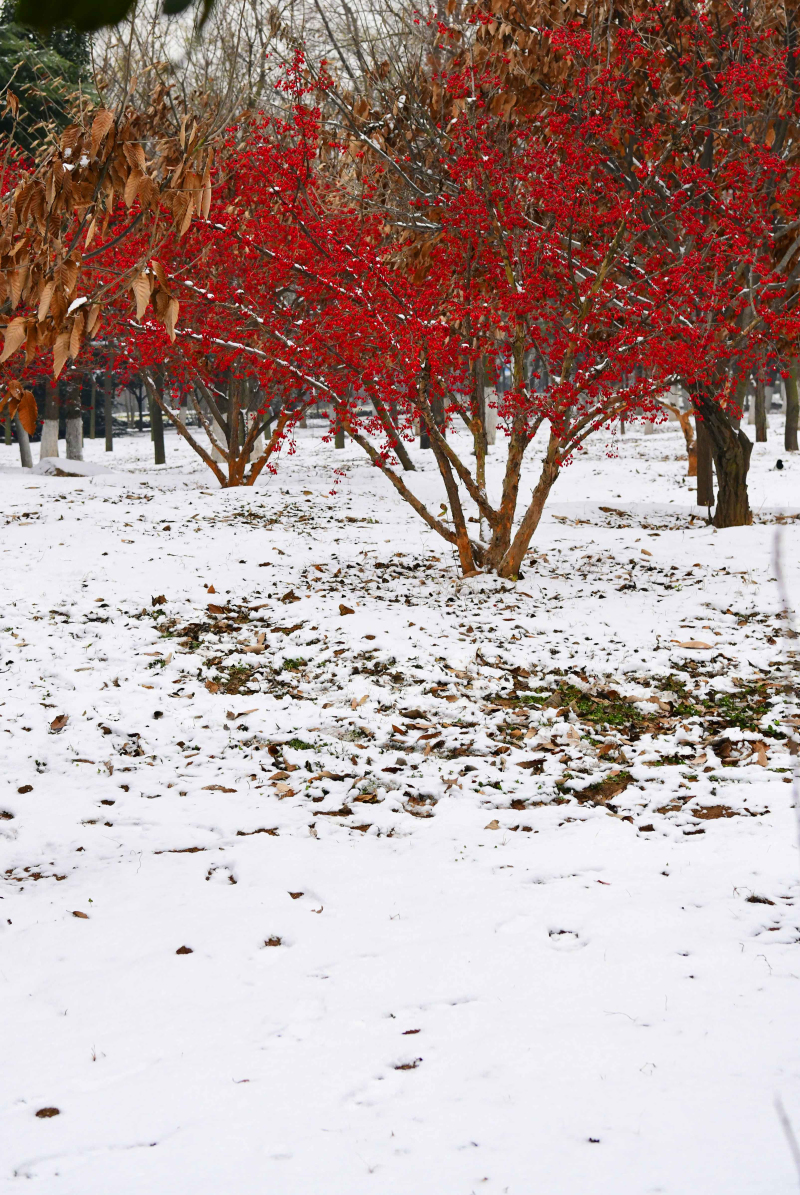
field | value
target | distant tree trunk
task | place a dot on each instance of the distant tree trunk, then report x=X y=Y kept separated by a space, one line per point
x=157 y=424
x=74 y=420
x=25 y=458
x=157 y=417
x=792 y=409
x=8 y=426
x=48 y=445
x=93 y=409
x=108 y=402
x=338 y=441
x=761 y=411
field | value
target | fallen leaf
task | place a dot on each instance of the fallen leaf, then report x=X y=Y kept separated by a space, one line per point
x=345 y=609
x=25 y=788
x=212 y=609
x=217 y=788
x=759 y=754
x=296 y=895
x=646 y=553
x=274 y=941
x=45 y=1113
x=212 y=686
x=357 y=701
x=693 y=644
x=77 y=913
x=59 y=723
x=184 y=950
x=493 y=825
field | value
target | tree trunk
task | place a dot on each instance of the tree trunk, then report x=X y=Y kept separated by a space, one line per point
x=501 y=532
x=704 y=469
x=465 y=556
x=75 y=439
x=511 y=564
x=731 y=451
x=761 y=412
x=108 y=401
x=8 y=425
x=339 y=438
x=792 y=409
x=157 y=424
x=93 y=410
x=388 y=419
x=157 y=420
x=25 y=458
x=48 y=445
x=74 y=420
x=490 y=407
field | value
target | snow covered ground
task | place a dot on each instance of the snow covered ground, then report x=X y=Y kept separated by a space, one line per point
x=482 y=887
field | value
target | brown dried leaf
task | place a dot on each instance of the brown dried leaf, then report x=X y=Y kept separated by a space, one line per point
x=15 y=335
x=17 y=281
x=132 y=186
x=60 y=352
x=187 y=217
x=28 y=415
x=141 y=292
x=94 y=316
x=170 y=319
x=44 y=300
x=103 y=121
x=76 y=336
x=134 y=152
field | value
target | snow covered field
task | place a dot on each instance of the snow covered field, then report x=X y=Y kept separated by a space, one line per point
x=484 y=888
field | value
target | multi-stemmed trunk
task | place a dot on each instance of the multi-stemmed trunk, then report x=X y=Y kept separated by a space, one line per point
x=731 y=450
x=229 y=428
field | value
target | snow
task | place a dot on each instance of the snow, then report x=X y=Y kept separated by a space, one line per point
x=55 y=466
x=577 y=992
